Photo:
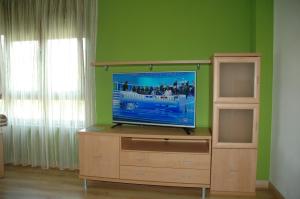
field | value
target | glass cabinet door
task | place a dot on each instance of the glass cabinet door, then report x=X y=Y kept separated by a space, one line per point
x=236 y=79
x=235 y=125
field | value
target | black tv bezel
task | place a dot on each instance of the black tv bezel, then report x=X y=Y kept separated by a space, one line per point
x=120 y=122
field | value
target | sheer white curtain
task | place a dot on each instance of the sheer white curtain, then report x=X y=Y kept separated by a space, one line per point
x=48 y=85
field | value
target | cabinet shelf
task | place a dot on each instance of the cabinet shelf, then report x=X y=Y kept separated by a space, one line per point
x=236 y=79
x=163 y=62
x=165 y=145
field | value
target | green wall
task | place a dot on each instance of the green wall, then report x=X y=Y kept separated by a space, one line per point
x=190 y=29
x=263 y=44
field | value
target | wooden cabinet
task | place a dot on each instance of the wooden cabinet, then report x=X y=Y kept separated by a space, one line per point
x=235 y=123
x=164 y=174
x=146 y=155
x=236 y=78
x=166 y=156
x=169 y=160
x=234 y=170
x=99 y=155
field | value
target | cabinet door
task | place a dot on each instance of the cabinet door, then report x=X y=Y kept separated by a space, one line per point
x=235 y=125
x=233 y=170
x=236 y=79
x=99 y=155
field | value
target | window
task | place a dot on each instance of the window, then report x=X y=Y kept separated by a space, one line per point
x=60 y=62
x=45 y=78
x=1 y=54
x=58 y=80
x=2 y=41
x=24 y=69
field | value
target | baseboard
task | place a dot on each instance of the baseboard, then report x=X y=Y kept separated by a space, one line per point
x=262 y=184
x=275 y=191
x=265 y=184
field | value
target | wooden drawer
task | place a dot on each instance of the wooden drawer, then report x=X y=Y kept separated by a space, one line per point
x=165 y=174
x=167 y=160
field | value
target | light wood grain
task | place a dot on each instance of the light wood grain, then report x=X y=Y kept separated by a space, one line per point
x=160 y=153
x=235 y=129
x=232 y=194
x=165 y=62
x=166 y=145
x=165 y=160
x=144 y=182
x=165 y=174
x=99 y=155
x=148 y=131
x=237 y=54
x=234 y=170
x=275 y=192
x=235 y=123
x=236 y=79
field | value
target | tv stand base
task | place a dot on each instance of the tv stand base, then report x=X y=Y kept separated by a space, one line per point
x=115 y=125
x=85 y=185
x=188 y=130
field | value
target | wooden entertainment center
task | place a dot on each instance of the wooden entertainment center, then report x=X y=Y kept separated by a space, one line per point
x=146 y=155
x=223 y=160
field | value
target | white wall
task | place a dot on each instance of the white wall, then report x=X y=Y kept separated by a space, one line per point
x=285 y=152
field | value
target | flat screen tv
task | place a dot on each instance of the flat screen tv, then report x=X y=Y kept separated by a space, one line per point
x=155 y=98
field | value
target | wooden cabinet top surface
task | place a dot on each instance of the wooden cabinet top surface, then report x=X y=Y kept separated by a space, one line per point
x=149 y=131
x=236 y=55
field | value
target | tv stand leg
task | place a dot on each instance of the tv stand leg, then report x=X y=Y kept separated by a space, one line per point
x=203 y=193
x=84 y=184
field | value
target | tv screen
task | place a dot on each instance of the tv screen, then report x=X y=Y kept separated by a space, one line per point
x=155 y=98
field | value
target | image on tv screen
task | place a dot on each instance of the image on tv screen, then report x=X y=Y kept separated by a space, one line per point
x=156 y=98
